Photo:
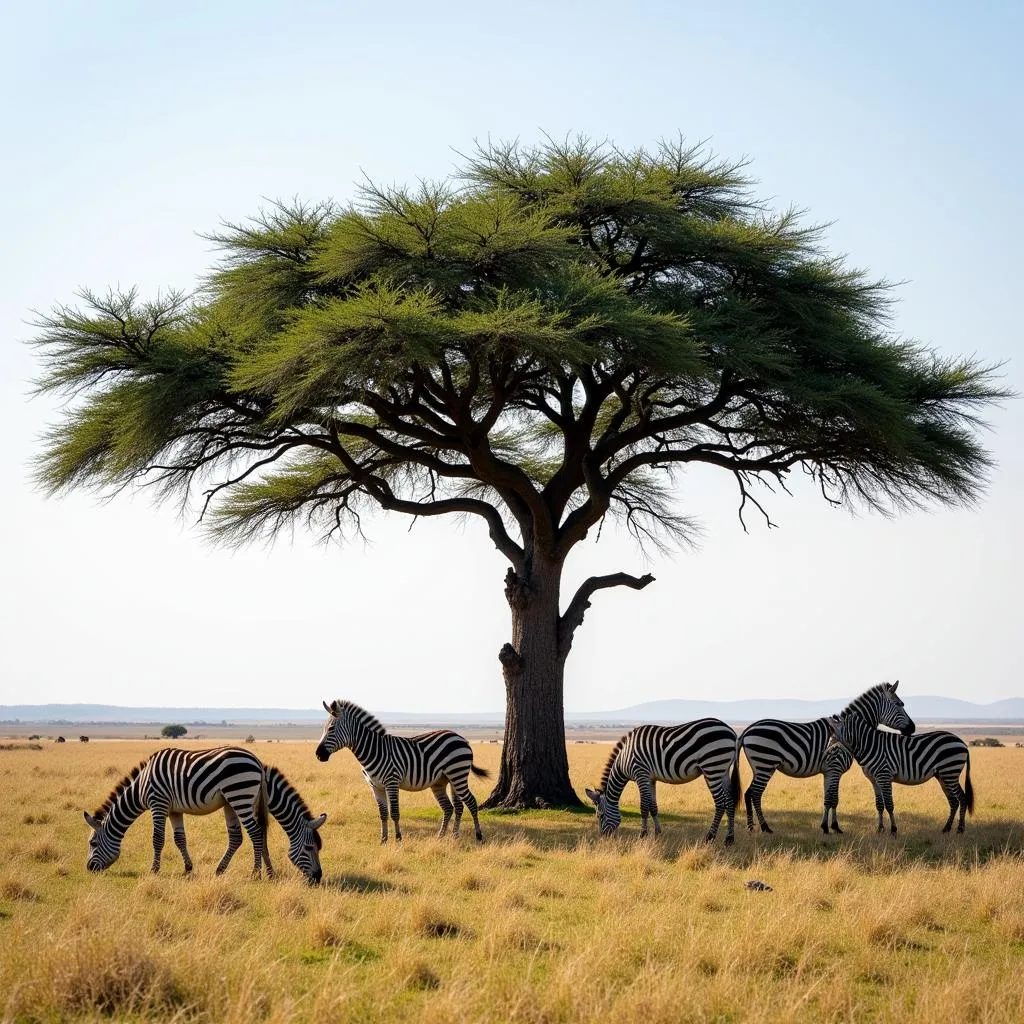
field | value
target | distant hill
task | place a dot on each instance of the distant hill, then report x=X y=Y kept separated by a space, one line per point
x=923 y=709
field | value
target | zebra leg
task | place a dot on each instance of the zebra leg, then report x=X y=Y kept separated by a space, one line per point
x=879 y=806
x=159 y=825
x=393 y=802
x=643 y=783
x=459 y=806
x=461 y=791
x=720 y=792
x=234 y=838
x=752 y=798
x=951 y=790
x=654 y=808
x=730 y=810
x=259 y=844
x=440 y=791
x=833 y=802
x=178 y=825
x=886 y=786
x=382 y=807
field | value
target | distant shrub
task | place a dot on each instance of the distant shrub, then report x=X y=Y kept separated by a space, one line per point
x=173 y=732
x=250 y=738
x=985 y=741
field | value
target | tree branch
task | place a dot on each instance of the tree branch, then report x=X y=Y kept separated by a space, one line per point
x=573 y=617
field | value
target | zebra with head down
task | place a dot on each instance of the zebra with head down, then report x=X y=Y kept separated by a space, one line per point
x=650 y=754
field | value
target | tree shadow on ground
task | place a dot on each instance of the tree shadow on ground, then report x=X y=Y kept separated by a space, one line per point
x=796 y=833
x=358 y=883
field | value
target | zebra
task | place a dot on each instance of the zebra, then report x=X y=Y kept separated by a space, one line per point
x=886 y=758
x=799 y=750
x=650 y=754
x=290 y=811
x=391 y=763
x=173 y=782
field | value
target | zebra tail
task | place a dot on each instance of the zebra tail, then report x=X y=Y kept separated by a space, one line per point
x=734 y=780
x=482 y=772
x=968 y=788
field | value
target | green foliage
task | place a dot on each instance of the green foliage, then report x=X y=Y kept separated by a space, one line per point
x=173 y=732
x=541 y=343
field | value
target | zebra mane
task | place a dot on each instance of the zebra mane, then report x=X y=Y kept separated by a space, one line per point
x=275 y=774
x=119 y=789
x=365 y=718
x=857 y=703
x=611 y=760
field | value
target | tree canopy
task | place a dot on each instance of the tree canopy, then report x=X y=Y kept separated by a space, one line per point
x=541 y=342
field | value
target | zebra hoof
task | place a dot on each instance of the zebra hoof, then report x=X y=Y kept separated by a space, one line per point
x=767 y=830
x=960 y=829
x=893 y=831
x=730 y=840
x=881 y=829
x=479 y=837
x=838 y=831
x=946 y=828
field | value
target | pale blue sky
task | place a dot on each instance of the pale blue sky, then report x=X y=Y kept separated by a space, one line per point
x=128 y=128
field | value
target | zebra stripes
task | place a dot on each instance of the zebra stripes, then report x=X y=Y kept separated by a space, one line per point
x=288 y=808
x=650 y=754
x=886 y=758
x=390 y=763
x=174 y=782
x=797 y=749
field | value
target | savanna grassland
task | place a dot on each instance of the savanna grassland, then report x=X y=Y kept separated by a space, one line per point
x=543 y=922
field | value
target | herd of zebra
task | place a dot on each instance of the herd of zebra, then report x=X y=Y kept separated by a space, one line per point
x=174 y=782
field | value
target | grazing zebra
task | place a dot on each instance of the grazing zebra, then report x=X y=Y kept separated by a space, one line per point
x=650 y=754
x=886 y=758
x=799 y=750
x=391 y=763
x=289 y=809
x=174 y=782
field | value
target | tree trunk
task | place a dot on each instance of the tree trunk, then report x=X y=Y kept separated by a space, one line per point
x=534 y=765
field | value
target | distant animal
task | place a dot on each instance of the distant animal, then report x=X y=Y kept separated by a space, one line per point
x=755 y=886
x=650 y=754
x=60 y=739
x=886 y=758
x=83 y=739
x=803 y=749
x=390 y=763
x=289 y=809
x=174 y=782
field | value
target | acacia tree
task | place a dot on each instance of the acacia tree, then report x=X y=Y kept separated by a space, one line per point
x=539 y=344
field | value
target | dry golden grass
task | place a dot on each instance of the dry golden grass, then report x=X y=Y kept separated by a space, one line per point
x=543 y=923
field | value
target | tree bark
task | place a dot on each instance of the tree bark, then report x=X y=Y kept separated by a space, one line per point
x=534 y=764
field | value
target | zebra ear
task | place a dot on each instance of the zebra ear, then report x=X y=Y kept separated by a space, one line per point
x=894 y=685
x=317 y=822
x=327 y=707
x=92 y=822
x=595 y=796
